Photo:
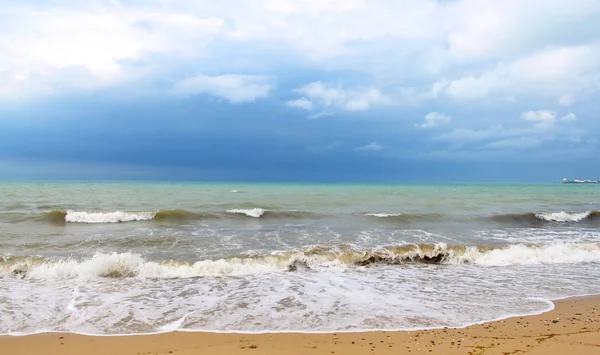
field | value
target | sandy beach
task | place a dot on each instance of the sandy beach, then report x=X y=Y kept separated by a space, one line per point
x=573 y=327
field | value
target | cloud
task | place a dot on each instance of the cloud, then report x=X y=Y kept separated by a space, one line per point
x=483 y=62
x=546 y=118
x=516 y=143
x=231 y=87
x=371 y=147
x=321 y=96
x=38 y=43
x=289 y=7
x=566 y=100
x=466 y=135
x=320 y=114
x=463 y=50
x=543 y=118
x=434 y=119
x=569 y=117
x=303 y=104
x=548 y=73
x=544 y=129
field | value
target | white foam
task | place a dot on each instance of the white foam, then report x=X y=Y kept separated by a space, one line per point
x=175 y=325
x=253 y=212
x=133 y=265
x=376 y=298
x=292 y=302
x=107 y=217
x=383 y=215
x=522 y=254
x=563 y=216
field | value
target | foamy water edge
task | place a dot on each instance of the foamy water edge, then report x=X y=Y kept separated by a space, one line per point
x=550 y=303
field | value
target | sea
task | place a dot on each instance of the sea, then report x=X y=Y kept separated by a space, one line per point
x=105 y=258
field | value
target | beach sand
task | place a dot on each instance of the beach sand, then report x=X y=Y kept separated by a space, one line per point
x=573 y=327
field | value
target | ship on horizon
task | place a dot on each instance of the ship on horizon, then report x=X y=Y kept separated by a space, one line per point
x=577 y=181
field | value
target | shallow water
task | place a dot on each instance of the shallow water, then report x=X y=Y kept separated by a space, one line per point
x=125 y=258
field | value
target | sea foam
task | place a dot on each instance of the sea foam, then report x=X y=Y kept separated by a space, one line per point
x=107 y=217
x=124 y=265
x=131 y=265
x=383 y=215
x=563 y=216
x=252 y=212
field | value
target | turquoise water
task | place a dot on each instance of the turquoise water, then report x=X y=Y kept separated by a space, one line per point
x=131 y=257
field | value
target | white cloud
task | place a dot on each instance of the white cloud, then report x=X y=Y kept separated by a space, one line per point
x=516 y=143
x=318 y=95
x=543 y=118
x=231 y=87
x=545 y=73
x=320 y=114
x=566 y=100
x=38 y=43
x=464 y=135
x=301 y=104
x=311 y=6
x=569 y=117
x=443 y=34
x=434 y=119
x=546 y=118
x=371 y=147
x=544 y=128
x=463 y=50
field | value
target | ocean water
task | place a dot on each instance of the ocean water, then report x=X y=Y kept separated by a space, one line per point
x=128 y=258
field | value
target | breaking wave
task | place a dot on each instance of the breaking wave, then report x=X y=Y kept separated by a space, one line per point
x=514 y=219
x=272 y=214
x=97 y=217
x=69 y=216
x=252 y=212
x=122 y=265
x=539 y=218
x=383 y=215
x=567 y=216
x=531 y=219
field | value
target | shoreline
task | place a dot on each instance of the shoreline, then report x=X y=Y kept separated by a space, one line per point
x=573 y=325
x=551 y=307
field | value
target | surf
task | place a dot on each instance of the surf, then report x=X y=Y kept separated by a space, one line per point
x=132 y=265
x=176 y=215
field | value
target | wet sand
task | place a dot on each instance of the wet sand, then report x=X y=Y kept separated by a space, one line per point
x=573 y=327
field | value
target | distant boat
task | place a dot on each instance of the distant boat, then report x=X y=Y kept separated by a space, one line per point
x=577 y=181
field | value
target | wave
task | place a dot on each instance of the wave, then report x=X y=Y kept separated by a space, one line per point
x=273 y=214
x=251 y=212
x=540 y=218
x=110 y=217
x=567 y=216
x=531 y=219
x=518 y=219
x=97 y=217
x=383 y=215
x=69 y=216
x=127 y=265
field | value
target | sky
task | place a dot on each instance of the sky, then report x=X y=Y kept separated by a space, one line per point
x=300 y=90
